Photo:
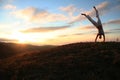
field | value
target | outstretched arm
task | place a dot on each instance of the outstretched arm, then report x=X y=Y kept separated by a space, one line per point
x=103 y=38
x=96 y=38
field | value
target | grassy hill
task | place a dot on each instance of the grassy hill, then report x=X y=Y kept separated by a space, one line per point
x=10 y=49
x=78 y=61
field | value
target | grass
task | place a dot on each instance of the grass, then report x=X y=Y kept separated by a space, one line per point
x=78 y=61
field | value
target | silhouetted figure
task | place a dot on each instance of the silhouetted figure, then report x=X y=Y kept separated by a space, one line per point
x=97 y=24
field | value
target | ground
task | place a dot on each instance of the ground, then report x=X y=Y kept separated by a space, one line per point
x=77 y=61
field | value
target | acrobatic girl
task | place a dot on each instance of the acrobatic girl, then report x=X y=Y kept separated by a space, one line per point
x=97 y=24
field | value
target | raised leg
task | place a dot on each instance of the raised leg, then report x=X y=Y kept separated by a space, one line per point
x=90 y=19
x=97 y=15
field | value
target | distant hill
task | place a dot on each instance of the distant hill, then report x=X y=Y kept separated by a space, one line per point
x=78 y=61
x=10 y=49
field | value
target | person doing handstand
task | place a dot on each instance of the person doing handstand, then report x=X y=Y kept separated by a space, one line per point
x=97 y=24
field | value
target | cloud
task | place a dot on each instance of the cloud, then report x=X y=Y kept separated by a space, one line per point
x=108 y=32
x=44 y=29
x=114 y=22
x=117 y=21
x=71 y=34
x=86 y=27
x=7 y=40
x=78 y=34
x=117 y=30
x=63 y=35
x=25 y=13
x=36 y=15
x=69 y=9
x=9 y=6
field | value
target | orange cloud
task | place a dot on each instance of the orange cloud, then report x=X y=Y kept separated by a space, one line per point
x=71 y=34
x=44 y=29
x=41 y=16
x=25 y=13
x=69 y=9
x=7 y=40
x=87 y=27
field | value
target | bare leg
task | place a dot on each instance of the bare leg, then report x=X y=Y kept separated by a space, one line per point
x=96 y=38
x=90 y=19
x=97 y=15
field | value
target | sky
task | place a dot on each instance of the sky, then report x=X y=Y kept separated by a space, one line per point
x=57 y=22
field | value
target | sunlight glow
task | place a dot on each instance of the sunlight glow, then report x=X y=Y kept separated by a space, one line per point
x=21 y=37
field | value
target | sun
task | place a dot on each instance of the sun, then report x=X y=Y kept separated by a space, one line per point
x=21 y=37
